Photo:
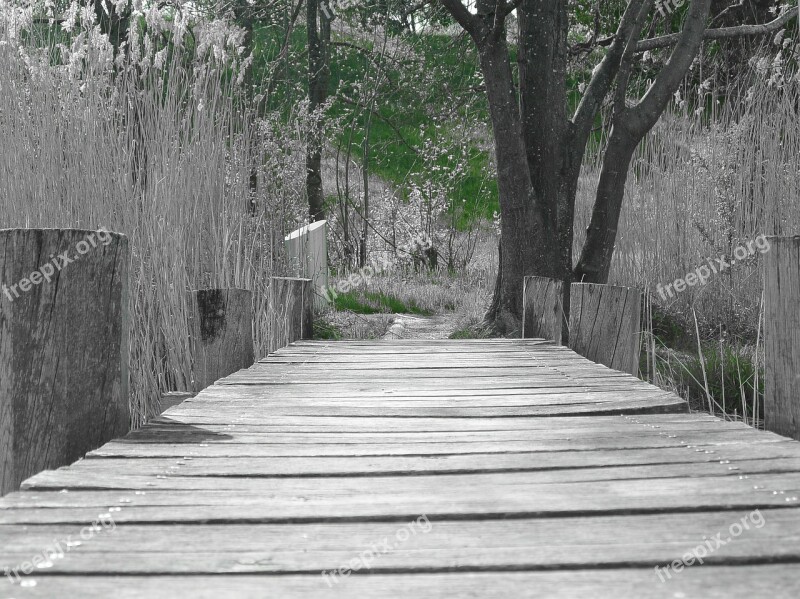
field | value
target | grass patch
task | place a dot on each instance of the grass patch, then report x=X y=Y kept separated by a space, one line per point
x=324 y=330
x=470 y=332
x=371 y=302
x=726 y=380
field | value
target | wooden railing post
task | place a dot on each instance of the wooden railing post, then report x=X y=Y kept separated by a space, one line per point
x=604 y=324
x=291 y=311
x=221 y=333
x=782 y=336
x=63 y=347
x=307 y=253
x=542 y=309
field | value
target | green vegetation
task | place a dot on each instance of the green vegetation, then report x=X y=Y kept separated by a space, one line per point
x=369 y=302
x=324 y=330
x=470 y=332
x=402 y=121
x=720 y=378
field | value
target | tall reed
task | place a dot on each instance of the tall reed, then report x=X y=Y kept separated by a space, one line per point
x=156 y=141
x=703 y=183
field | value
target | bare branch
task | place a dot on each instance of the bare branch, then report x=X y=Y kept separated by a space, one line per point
x=644 y=115
x=502 y=9
x=463 y=17
x=605 y=72
x=665 y=41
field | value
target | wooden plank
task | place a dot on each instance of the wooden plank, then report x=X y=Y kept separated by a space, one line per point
x=782 y=336
x=256 y=485
x=307 y=257
x=203 y=473
x=254 y=450
x=63 y=347
x=290 y=313
x=658 y=422
x=777 y=581
x=232 y=433
x=361 y=499
x=220 y=333
x=615 y=541
x=604 y=324
x=543 y=309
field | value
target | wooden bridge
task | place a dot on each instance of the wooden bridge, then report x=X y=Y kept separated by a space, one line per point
x=491 y=469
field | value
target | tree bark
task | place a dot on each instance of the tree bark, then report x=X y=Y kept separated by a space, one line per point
x=529 y=240
x=601 y=236
x=319 y=35
x=629 y=128
x=539 y=151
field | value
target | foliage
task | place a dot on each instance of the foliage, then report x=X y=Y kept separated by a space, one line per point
x=369 y=302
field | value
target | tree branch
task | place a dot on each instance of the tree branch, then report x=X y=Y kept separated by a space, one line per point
x=665 y=41
x=605 y=73
x=469 y=22
x=644 y=115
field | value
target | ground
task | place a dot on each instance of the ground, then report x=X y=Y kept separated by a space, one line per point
x=406 y=326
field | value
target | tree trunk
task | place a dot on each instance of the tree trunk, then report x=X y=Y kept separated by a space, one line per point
x=629 y=128
x=319 y=34
x=528 y=242
x=595 y=260
x=539 y=151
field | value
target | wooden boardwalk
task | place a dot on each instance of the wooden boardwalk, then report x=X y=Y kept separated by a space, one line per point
x=487 y=469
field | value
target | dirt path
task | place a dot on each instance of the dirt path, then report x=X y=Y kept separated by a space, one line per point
x=406 y=326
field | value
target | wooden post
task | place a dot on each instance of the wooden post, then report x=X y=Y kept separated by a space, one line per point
x=542 y=309
x=291 y=311
x=604 y=324
x=63 y=347
x=307 y=252
x=221 y=333
x=782 y=336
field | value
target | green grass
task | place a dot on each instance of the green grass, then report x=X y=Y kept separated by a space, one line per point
x=324 y=330
x=473 y=332
x=369 y=302
x=731 y=375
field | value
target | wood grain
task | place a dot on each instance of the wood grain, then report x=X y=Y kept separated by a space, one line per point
x=324 y=451
x=782 y=336
x=542 y=309
x=63 y=347
x=221 y=333
x=291 y=311
x=604 y=323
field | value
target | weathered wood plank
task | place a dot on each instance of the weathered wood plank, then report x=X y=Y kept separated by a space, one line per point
x=777 y=581
x=291 y=311
x=543 y=309
x=63 y=347
x=615 y=541
x=604 y=324
x=782 y=336
x=273 y=475
x=307 y=255
x=658 y=422
x=220 y=333
x=202 y=473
